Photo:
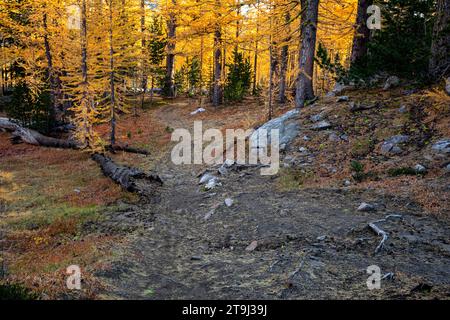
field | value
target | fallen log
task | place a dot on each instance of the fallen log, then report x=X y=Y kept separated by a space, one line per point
x=129 y=178
x=33 y=137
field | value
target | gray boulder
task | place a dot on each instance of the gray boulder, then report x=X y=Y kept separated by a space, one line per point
x=287 y=124
x=338 y=88
x=418 y=168
x=322 y=125
x=442 y=146
x=365 y=207
x=391 y=82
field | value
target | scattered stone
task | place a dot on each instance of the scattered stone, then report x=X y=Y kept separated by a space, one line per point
x=418 y=168
x=205 y=178
x=252 y=246
x=447 y=168
x=229 y=202
x=306 y=138
x=447 y=86
x=338 y=88
x=316 y=117
x=212 y=183
x=391 y=82
x=197 y=111
x=302 y=149
x=347 y=183
x=400 y=138
x=196 y=258
x=442 y=146
x=365 y=207
x=342 y=99
x=321 y=238
x=77 y=190
x=322 y=125
x=402 y=109
x=222 y=170
x=209 y=214
x=390 y=146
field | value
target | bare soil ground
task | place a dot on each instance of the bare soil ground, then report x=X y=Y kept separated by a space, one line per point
x=312 y=243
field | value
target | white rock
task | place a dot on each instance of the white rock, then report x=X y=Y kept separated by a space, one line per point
x=197 y=111
x=442 y=146
x=365 y=207
x=418 y=168
x=212 y=183
x=322 y=125
x=392 y=81
x=229 y=202
x=302 y=149
x=205 y=178
x=342 y=99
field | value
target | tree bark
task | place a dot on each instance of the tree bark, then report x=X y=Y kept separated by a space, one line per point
x=55 y=82
x=362 y=33
x=112 y=76
x=304 y=91
x=284 y=63
x=170 y=57
x=217 y=89
x=130 y=179
x=144 y=58
x=440 y=48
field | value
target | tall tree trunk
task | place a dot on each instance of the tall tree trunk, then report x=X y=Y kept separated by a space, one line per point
x=255 y=59
x=170 y=57
x=217 y=89
x=55 y=83
x=112 y=76
x=440 y=47
x=362 y=33
x=304 y=92
x=144 y=58
x=284 y=62
x=217 y=86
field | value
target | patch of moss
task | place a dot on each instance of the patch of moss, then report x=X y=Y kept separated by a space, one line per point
x=402 y=171
x=16 y=292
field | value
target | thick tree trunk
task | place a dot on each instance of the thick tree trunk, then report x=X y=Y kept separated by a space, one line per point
x=304 y=92
x=217 y=90
x=170 y=57
x=284 y=63
x=144 y=80
x=55 y=82
x=362 y=33
x=131 y=179
x=112 y=76
x=440 y=47
x=33 y=137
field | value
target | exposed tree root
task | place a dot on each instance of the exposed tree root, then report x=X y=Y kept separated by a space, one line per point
x=33 y=137
x=131 y=179
x=381 y=232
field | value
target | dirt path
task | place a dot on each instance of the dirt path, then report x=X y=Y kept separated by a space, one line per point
x=310 y=243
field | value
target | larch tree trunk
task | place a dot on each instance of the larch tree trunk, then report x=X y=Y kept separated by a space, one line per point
x=362 y=33
x=304 y=90
x=144 y=79
x=170 y=57
x=284 y=62
x=55 y=83
x=112 y=76
x=217 y=86
x=440 y=48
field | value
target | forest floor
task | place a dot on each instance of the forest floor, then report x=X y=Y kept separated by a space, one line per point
x=294 y=235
